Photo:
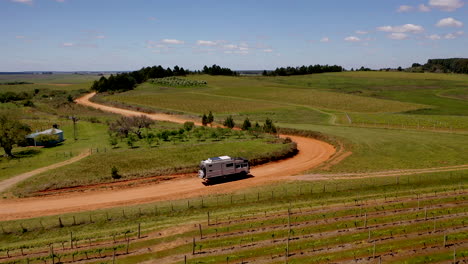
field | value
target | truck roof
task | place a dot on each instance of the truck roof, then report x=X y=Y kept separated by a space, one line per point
x=221 y=159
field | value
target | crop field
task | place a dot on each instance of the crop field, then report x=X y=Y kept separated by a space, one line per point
x=419 y=218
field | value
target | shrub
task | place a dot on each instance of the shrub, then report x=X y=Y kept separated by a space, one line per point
x=115 y=173
x=188 y=126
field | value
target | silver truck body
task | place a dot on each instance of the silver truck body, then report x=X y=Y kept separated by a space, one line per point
x=222 y=166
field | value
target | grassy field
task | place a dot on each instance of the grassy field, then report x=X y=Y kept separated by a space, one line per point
x=381 y=219
x=29 y=158
x=67 y=82
x=376 y=149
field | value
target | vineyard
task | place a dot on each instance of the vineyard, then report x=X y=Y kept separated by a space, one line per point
x=409 y=218
x=177 y=82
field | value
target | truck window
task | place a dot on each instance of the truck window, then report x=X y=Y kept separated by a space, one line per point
x=229 y=165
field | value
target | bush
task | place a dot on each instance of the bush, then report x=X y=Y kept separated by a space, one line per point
x=115 y=173
x=188 y=126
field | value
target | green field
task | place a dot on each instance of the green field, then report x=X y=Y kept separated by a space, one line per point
x=259 y=224
x=378 y=149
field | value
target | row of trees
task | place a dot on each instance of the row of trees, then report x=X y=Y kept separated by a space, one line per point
x=268 y=126
x=302 y=70
x=217 y=70
x=127 y=81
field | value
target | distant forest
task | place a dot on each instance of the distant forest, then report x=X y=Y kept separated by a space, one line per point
x=128 y=80
x=303 y=70
x=453 y=65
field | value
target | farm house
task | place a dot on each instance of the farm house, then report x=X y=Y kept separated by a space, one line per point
x=34 y=138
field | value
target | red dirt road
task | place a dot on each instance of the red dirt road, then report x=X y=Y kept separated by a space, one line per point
x=311 y=153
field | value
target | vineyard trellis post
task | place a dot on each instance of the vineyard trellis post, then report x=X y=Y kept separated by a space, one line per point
x=200 y=228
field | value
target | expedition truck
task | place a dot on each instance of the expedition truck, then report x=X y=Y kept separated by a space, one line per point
x=223 y=166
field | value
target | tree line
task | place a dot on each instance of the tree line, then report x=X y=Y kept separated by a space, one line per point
x=453 y=65
x=302 y=70
x=126 y=81
x=218 y=70
x=122 y=82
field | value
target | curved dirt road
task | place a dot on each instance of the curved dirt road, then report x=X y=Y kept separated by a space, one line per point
x=311 y=153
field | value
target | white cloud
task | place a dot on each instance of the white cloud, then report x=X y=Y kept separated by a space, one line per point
x=151 y=18
x=361 y=32
x=230 y=46
x=67 y=44
x=398 y=36
x=450 y=36
x=352 y=39
x=325 y=39
x=407 y=28
x=23 y=1
x=172 y=41
x=446 y=5
x=60 y=1
x=206 y=43
x=454 y=35
x=449 y=22
x=404 y=8
x=20 y=37
x=100 y=37
x=267 y=50
x=434 y=37
x=424 y=8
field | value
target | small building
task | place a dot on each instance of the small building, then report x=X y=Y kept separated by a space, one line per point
x=34 y=139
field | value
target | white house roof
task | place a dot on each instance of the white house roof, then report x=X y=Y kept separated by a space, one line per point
x=51 y=131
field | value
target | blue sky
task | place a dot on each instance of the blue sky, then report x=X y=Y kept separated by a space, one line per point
x=74 y=35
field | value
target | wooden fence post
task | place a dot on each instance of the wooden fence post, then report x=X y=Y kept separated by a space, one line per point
x=193 y=246
x=139 y=229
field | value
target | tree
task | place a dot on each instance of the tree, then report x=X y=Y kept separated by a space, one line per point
x=229 y=122
x=269 y=127
x=255 y=131
x=12 y=132
x=246 y=125
x=204 y=120
x=210 y=118
x=134 y=124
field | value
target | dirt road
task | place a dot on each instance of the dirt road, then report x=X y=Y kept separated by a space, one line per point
x=311 y=153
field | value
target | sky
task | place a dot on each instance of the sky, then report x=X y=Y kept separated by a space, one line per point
x=121 y=35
